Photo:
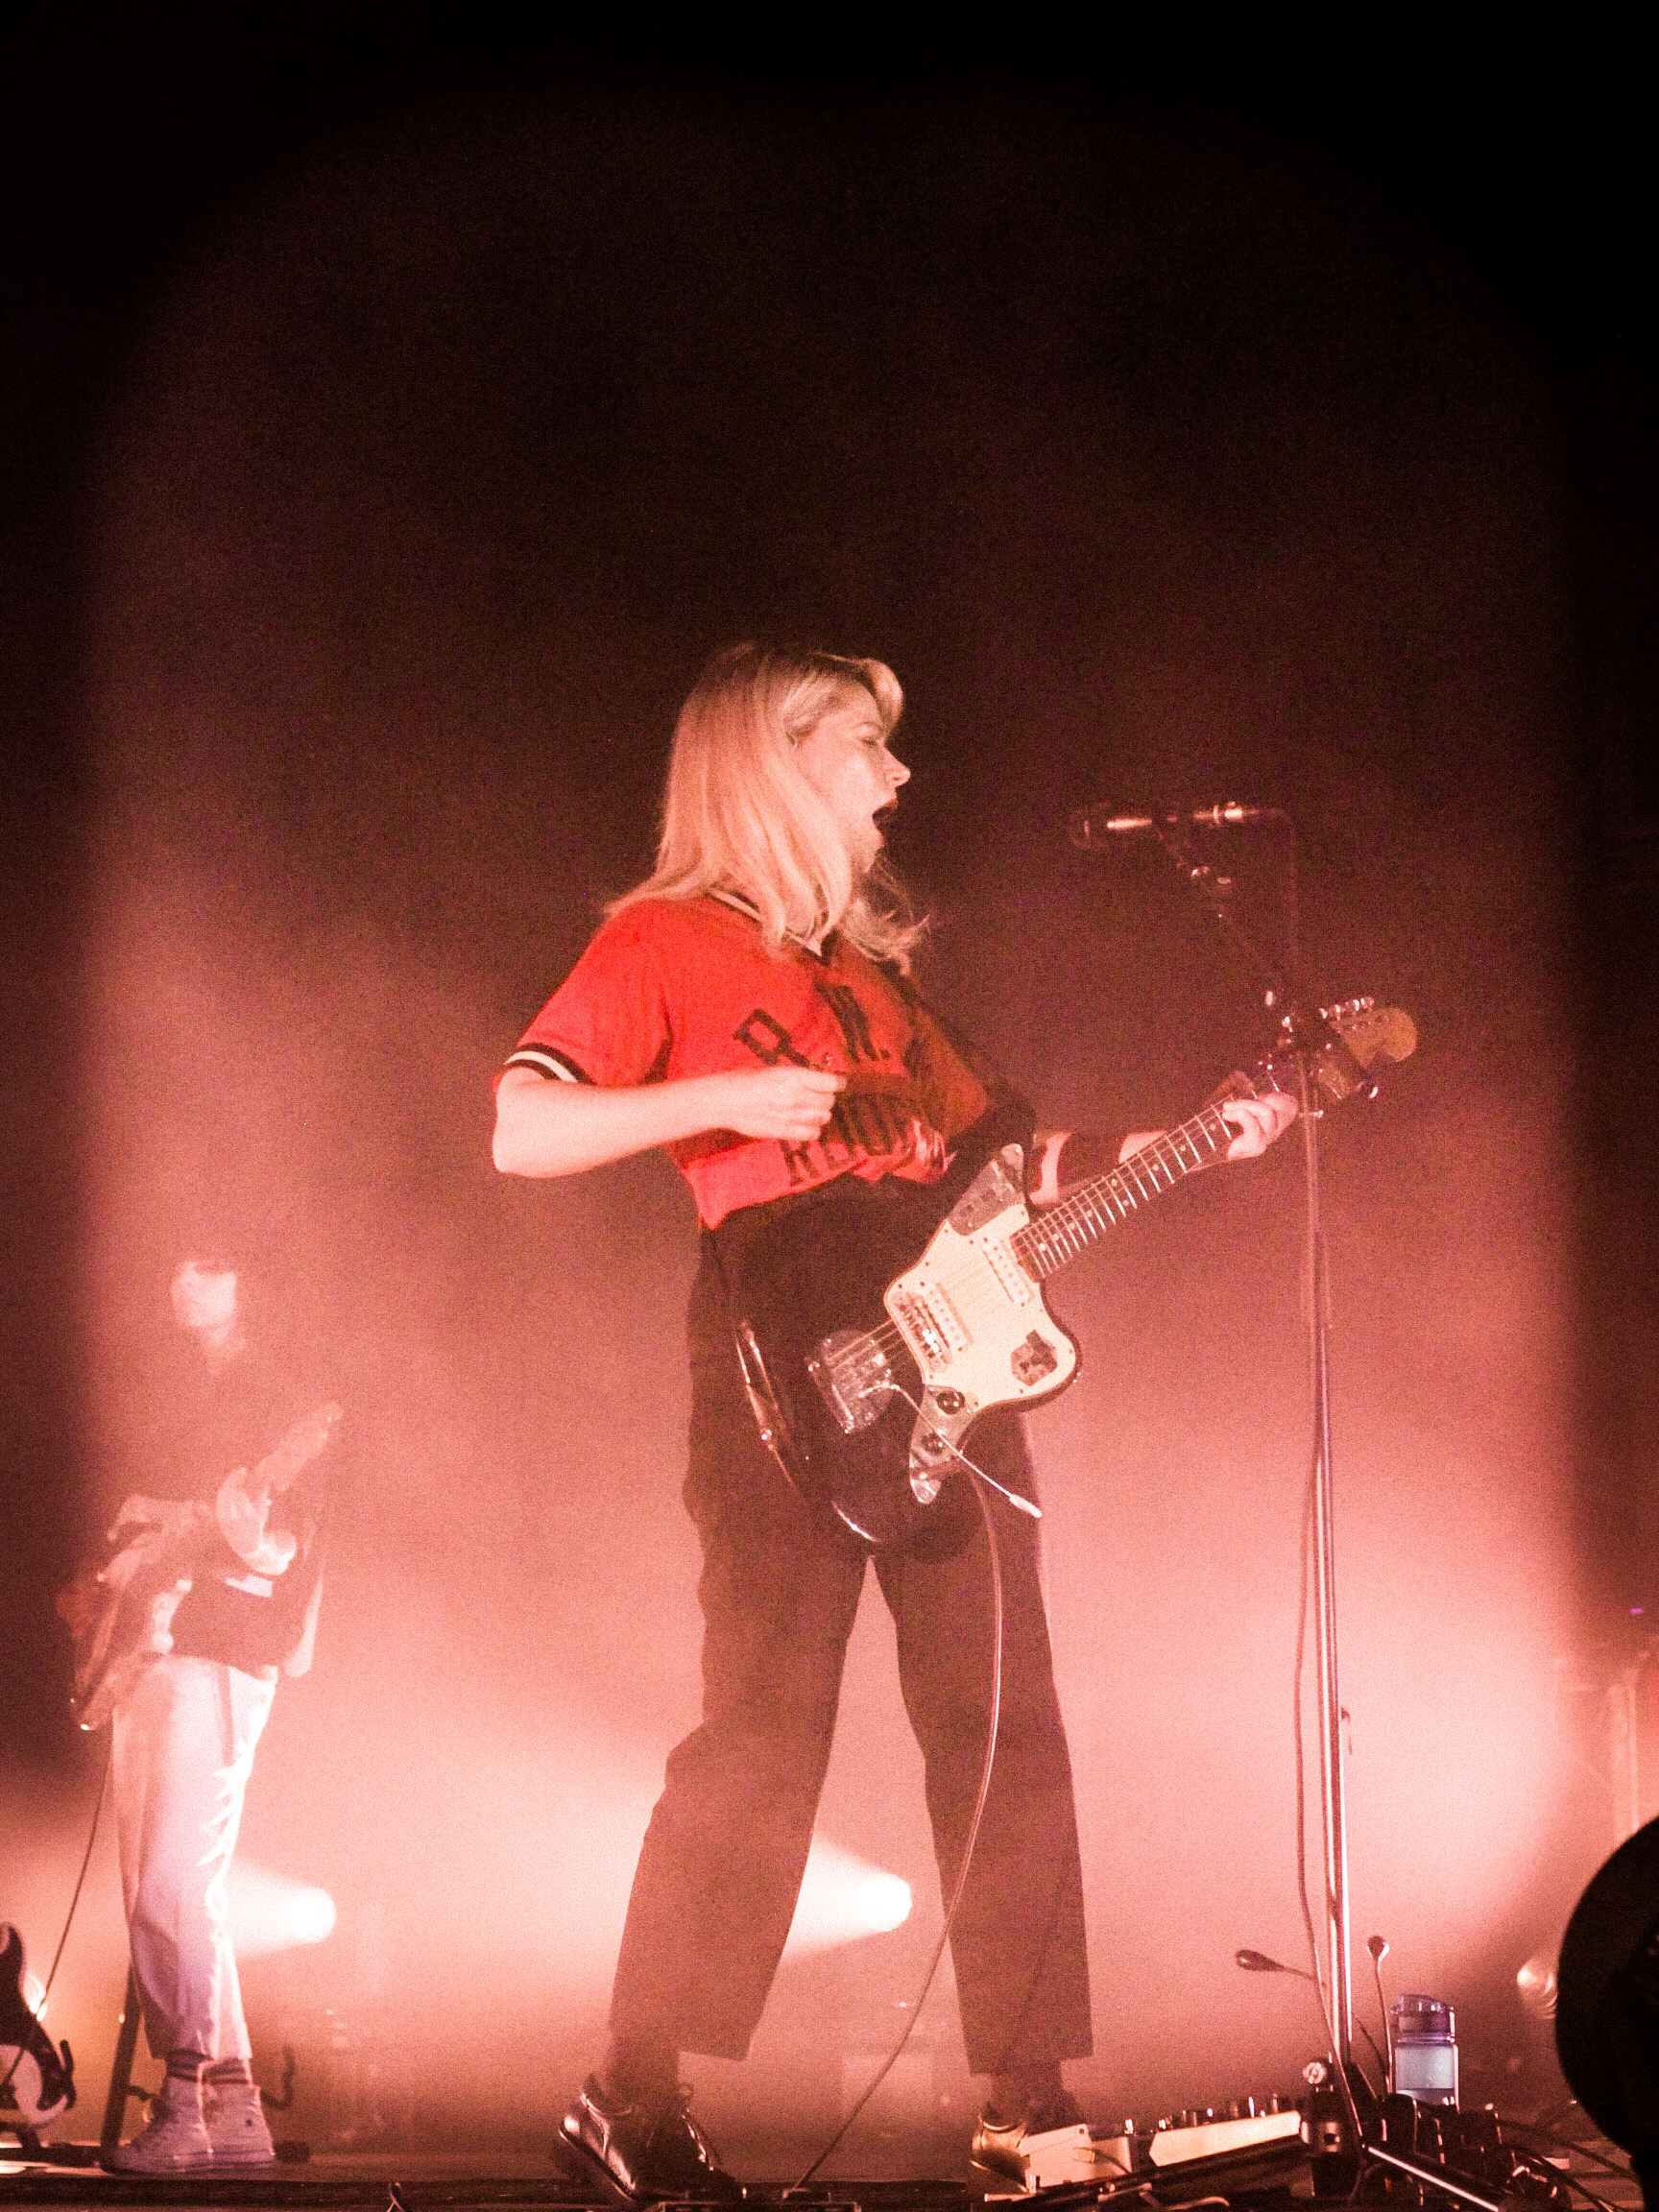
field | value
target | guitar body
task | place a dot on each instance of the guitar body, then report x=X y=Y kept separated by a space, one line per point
x=122 y=1616
x=130 y=1617
x=878 y=1323
x=38 y=2076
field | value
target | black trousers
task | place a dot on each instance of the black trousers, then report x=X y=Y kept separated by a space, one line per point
x=720 y=1869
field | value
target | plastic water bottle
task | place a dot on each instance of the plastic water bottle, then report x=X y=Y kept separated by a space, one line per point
x=1425 y=2050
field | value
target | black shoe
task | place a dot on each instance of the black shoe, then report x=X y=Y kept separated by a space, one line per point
x=647 y=2154
x=998 y=2144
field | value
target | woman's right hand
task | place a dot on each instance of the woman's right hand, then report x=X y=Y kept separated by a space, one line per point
x=785 y=1102
x=552 y=1128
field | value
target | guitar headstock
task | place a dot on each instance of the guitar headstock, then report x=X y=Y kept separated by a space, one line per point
x=1367 y=1036
x=1356 y=1036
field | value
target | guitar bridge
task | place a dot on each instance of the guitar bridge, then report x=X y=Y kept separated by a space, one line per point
x=853 y=1377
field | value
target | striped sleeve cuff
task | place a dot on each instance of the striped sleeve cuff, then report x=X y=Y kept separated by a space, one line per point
x=543 y=1060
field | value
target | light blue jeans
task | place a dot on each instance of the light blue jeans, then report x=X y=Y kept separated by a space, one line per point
x=184 y=1745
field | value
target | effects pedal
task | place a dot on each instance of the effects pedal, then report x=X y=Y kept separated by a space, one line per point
x=1251 y=2137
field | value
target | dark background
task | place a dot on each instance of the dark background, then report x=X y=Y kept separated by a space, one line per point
x=344 y=414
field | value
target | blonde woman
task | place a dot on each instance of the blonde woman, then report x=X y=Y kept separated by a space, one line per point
x=748 y=1008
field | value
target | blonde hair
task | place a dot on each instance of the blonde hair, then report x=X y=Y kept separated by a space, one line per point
x=738 y=815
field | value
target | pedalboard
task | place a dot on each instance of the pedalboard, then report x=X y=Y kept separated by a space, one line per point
x=1248 y=2129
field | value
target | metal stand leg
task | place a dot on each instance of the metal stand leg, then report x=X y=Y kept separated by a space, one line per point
x=1325 y=1067
x=121 y=2071
x=1437 y=2178
x=1338 y=1938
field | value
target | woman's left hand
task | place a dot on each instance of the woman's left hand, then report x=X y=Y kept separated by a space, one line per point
x=1258 y=1122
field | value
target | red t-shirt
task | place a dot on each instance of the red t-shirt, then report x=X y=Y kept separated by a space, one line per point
x=672 y=988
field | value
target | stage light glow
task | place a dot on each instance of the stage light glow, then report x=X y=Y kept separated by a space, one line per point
x=844 y=1898
x=1535 y=1981
x=884 y=1901
x=311 y=1915
x=268 y=1912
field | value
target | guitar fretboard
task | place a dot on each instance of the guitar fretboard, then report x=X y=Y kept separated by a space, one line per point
x=1066 y=1230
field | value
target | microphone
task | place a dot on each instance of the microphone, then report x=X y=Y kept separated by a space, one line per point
x=1091 y=828
x=1259 y=1962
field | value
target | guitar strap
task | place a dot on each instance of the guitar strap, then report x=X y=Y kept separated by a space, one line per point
x=1010 y=1105
x=1008 y=1111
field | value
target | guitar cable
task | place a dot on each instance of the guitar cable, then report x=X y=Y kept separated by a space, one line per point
x=1567 y=2143
x=960 y=1887
x=69 y=1916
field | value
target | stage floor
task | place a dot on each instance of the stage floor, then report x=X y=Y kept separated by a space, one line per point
x=459 y=2181
x=428 y=2181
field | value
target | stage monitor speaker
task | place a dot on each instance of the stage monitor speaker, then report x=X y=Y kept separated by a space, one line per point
x=1607 y=2015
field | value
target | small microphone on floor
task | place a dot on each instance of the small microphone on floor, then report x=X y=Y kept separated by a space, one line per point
x=1259 y=1962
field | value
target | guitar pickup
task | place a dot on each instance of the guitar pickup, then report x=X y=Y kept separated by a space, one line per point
x=931 y=1324
x=997 y=1254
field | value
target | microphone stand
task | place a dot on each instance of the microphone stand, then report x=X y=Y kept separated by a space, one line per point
x=1306 y=1033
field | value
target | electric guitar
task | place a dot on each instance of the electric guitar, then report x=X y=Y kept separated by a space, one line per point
x=875 y=1323
x=121 y=1617
x=37 y=2078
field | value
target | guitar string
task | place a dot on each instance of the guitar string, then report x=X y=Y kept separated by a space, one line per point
x=1073 y=1218
x=1135 y=1180
x=1131 y=1184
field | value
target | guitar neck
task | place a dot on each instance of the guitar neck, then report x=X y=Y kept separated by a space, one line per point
x=1068 y=1230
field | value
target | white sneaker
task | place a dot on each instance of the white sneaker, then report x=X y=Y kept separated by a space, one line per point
x=173 y=2140
x=236 y=2126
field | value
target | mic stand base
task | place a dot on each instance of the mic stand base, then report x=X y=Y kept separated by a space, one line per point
x=1437 y=2178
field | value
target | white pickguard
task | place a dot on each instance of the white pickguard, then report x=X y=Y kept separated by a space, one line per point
x=974 y=1322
